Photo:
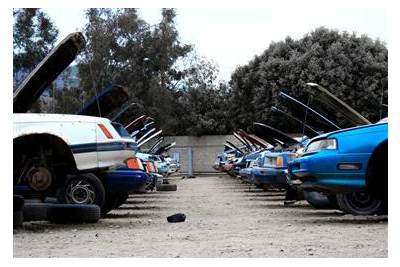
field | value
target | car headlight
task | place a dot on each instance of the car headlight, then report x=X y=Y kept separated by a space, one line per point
x=273 y=161
x=321 y=145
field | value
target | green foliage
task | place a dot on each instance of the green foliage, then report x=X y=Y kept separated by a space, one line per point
x=353 y=68
x=34 y=35
x=123 y=49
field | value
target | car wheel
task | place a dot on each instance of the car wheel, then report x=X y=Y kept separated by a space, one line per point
x=35 y=211
x=359 y=203
x=18 y=205
x=317 y=200
x=73 y=213
x=121 y=199
x=82 y=189
x=332 y=199
x=166 y=187
x=113 y=201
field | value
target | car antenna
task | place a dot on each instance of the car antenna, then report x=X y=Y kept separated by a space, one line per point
x=94 y=88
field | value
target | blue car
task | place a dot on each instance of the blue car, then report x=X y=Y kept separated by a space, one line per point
x=351 y=163
x=269 y=169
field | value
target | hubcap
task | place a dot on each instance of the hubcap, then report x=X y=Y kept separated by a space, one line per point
x=80 y=192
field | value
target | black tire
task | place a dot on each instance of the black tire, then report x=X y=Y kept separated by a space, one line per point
x=359 y=203
x=73 y=213
x=82 y=189
x=109 y=203
x=317 y=200
x=166 y=187
x=332 y=199
x=35 y=211
x=121 y=199
x=18 y=205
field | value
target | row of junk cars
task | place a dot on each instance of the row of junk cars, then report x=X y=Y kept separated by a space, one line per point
x=77 y=168
x=329 y=165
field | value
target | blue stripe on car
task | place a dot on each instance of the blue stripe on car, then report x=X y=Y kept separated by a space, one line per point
x=93 y=147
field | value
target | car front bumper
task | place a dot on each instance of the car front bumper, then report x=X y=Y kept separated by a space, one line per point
x=322 y=172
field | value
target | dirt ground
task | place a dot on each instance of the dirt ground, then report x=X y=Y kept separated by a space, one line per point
x=224 y=219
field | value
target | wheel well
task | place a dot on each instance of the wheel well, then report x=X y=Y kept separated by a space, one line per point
x=43 y=149
x=377 y=172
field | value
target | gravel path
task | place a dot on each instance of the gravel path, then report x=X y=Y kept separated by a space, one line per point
x=224 y=219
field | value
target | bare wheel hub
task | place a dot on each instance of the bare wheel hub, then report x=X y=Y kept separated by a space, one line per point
x=39 y=178
x=80 y=192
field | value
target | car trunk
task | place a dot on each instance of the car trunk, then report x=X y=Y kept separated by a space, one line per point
x=47 y=71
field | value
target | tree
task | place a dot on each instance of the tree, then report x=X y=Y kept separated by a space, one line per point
x=353 y=68
x=123 y=49
x=204 y=101
x=34 y=35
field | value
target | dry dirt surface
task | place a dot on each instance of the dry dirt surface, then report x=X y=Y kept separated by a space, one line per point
x=224 y=219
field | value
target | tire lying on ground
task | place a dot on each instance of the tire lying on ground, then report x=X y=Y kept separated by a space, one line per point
x=18 y=205
x=319 y=200
x=359 y=203
x=73 y=213
x=166 y=187
x=35 y=211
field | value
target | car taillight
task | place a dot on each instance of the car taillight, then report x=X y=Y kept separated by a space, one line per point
x=105 y=131
x=134 y=164
x=149 y=167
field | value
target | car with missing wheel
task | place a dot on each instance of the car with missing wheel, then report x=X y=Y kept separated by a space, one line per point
x=60 y=155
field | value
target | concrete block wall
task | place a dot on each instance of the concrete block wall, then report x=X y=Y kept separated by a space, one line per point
x=205 y=150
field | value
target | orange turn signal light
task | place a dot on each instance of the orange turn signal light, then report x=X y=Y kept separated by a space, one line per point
x=279 y=162
x=133 y=163
x=105 y=131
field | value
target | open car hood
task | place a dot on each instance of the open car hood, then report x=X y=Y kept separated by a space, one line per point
x=156 y=145
x=165 y=148
x=232 y=147
x=142 y=142
x=139 y=133
x=107 y=101
x=137 y=124
x=47 y=71
x=264 y=132
x=127 y=112
x=243 y=141
x=327 y=98
x=310 y=132
x=324 y=123
x=252 y=139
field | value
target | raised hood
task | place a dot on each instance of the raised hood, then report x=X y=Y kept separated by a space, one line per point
x=252 y=139
x=328 y=99
x=295 y=122
x=109 y=100
x=264 y=132
x=164 y=148
x=324 y=123
x=47 y=71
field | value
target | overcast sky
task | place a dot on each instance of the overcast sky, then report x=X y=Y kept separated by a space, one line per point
x=231 y=37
